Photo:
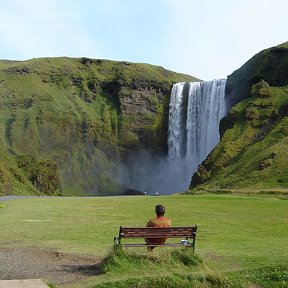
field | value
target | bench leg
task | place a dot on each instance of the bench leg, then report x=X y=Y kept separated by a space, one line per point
x=117 y=244
x=193 y=245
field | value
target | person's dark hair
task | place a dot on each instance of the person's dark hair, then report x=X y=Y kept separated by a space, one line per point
x=160 y=210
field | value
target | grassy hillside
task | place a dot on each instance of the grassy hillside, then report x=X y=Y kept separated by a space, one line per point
x=270 y=64
x=252 y=152
x=242 y=236
x=64 y=121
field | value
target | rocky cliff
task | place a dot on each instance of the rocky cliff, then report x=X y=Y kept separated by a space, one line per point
x=253 y=150
x=64 y=122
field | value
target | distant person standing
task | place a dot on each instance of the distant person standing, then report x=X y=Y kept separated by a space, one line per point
x=159 y=221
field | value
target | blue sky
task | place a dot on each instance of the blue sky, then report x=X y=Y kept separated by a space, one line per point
x=205 y=38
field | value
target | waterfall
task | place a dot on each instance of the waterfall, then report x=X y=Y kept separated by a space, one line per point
x=195 y=111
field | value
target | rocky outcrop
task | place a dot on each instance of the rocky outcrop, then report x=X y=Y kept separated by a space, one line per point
x=200 y=177
x=260 y=89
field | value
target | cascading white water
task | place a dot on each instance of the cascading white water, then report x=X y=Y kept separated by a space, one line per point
x=194 y=114
x=195 y=111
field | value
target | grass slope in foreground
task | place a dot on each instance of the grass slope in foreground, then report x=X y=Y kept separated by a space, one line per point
x=238 y=234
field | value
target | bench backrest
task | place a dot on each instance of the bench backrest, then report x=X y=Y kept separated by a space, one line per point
x=157 y=232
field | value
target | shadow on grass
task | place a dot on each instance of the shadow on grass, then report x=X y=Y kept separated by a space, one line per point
x=86 y=270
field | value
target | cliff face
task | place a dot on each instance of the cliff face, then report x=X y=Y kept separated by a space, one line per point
x=64 y=122
x=270 y=64
x=253 y=150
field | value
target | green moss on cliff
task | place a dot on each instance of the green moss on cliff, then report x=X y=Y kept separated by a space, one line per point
x=42 y=174
x=252 y=151
x=81 y=115
x=270 y=65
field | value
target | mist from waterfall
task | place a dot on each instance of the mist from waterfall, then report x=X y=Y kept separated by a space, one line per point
x=195 y=111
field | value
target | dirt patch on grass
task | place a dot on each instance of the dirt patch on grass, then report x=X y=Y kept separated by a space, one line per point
x=51 y=266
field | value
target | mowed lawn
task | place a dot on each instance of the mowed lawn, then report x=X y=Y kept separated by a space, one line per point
x=236 y=232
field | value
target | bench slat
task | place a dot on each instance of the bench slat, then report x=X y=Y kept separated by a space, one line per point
x=158 y=245
x=169 y=232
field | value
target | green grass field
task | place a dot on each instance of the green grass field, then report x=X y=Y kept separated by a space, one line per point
x=236 y=233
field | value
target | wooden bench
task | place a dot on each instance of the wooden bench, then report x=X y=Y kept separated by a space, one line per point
x=188 y=232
